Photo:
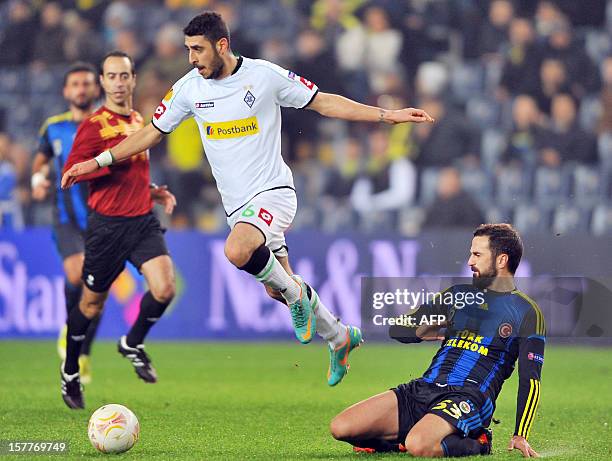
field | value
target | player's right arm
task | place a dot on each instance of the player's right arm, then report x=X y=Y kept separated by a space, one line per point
x=172 y=110
x=416 y=333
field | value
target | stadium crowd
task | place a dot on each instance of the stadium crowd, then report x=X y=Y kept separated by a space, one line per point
x=521 y=91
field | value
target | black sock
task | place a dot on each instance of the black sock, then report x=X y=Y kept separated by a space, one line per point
x=77 y=326
x=73 y=296
x=258 y=261
x=90 y=335
x=150 y=312
x=455 y=445
x=380 y=445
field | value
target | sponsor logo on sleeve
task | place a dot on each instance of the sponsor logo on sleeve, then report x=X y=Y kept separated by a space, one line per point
x=505 y=330
x=265 y=216
x=205 y=105
x=535 y=357
x=307 y=83
x=159 y=111
x=232 y=129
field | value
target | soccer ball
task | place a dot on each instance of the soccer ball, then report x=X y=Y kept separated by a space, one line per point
x=113 y=428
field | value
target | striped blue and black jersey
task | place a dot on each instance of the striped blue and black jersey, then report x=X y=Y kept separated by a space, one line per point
x=56 y=138
x=487 y=332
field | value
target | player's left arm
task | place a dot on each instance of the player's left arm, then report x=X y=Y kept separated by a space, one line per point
x=336 y=106
x=532 y=339
x=161 y=195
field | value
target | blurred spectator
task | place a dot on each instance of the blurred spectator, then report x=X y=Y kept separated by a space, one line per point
x=388 y=185
x=449 y=140
x=11 y=214
x=373 y=47
x=345 y=172
x=333 y=17
x=431 y=80
x=16 y=40
x=169 y=61
x=605 y=121
x=564 y=140
x=118 y=16
x=82 y=42
x=453 y=207
x=521 y=60
x=126 y=40
x=494 y=31
x=548 y=15
x=553 y=80
x=581 y=72
x=239 y=41
x=50 y=36
x=523 y=141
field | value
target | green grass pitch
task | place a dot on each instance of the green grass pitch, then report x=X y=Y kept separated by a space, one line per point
x=230 y=401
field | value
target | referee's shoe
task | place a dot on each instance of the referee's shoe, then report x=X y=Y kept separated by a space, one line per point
x=140 y=360
x=72 y=390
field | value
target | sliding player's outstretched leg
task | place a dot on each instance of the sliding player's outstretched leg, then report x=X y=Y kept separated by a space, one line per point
x=159 y=274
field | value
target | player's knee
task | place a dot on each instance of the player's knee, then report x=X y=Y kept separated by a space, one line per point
x=164 y=292
x=237 y=254
x=91 y=308
x=74 y=278
x=340 y=428
x=418 y=446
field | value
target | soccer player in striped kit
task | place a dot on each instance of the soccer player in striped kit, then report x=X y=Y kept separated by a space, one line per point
x=447 y=411
x=70 y=207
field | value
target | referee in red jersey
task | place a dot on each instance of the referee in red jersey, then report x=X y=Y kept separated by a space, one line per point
x=121 y=227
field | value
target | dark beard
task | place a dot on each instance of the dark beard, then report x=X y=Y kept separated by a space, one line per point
x=217 y=68
x=83 y=105
x=486 y=279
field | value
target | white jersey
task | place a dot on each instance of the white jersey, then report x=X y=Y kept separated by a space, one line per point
x=239 y=119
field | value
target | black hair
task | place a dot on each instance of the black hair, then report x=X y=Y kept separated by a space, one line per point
x=210 y=25
x=117 y=54
x=503 y=239
x=80 y=67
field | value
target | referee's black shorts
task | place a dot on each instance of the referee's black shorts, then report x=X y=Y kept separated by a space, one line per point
x=110 y=241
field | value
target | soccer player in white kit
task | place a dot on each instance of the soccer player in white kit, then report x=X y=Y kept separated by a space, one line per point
x=236 y=102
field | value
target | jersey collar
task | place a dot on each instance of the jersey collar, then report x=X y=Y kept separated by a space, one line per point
x=237 y=65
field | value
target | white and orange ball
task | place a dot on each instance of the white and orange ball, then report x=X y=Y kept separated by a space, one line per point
x=113 y=428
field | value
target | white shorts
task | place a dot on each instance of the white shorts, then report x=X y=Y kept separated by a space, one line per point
x=271 y=212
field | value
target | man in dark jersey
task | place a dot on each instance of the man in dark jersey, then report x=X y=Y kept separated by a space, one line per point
x=447 y=411
x=70 y=206
x=120 y=228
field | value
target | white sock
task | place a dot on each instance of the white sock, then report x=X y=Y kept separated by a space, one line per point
x=329 y=327
x=275 y=276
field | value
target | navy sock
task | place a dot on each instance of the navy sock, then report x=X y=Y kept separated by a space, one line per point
x=455 y=445
x=150 y=312
x=90 y=335
x=73 y=295
x=77 y=326
x=380 y=445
